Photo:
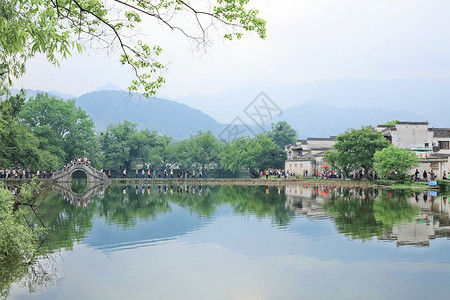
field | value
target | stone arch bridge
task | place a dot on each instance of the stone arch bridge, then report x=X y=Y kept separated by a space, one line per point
x=92 y=174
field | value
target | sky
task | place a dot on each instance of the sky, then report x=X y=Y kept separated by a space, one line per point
x=307 y=40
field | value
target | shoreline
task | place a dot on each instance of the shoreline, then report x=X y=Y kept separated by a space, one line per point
x=243 y=181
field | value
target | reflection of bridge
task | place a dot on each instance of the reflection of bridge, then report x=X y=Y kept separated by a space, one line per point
x=65 y=189
x=92 y=174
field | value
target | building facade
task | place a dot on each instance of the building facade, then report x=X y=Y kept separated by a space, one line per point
x=431 y=146
x=308 y=155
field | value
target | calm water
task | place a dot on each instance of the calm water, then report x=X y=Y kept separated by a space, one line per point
x=223 y=242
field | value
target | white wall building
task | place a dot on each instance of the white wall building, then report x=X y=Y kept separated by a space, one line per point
x=307 y=155
x=432 y=145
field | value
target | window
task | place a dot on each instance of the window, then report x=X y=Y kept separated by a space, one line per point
x=443 y=144
x=427 y=145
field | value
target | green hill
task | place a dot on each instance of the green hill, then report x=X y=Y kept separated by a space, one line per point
x=165 y=116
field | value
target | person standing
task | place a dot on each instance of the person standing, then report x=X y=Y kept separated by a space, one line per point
x=124 y=173
x=424 y=175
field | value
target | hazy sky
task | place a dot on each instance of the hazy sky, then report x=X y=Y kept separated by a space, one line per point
x=307 y=40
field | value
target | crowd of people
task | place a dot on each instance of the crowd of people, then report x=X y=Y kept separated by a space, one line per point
x=163 y=173
x=322 y=173
x=426 y=176
x=22 y=173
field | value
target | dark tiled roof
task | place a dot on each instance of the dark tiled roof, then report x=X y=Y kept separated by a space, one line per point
x=322 y=148
x=412 y=123
x=331 y=138
x=441 y=132
x=440 y=155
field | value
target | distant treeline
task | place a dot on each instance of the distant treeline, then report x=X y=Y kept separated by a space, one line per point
x=46 y=132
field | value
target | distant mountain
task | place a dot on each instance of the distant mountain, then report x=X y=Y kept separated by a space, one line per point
x=427 y=97
x=109 y=86
x=62 y=95
x=165 y=116
x=33 y=93
x=317 y=109
x=317 y=119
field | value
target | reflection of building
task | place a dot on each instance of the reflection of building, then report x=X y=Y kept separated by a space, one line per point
x=431 y=145
x=432 y=222
x=307 y=154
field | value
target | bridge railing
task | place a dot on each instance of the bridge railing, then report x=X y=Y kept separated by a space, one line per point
x=74 y=165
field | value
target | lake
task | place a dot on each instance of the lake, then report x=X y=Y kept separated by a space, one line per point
x=241 y=242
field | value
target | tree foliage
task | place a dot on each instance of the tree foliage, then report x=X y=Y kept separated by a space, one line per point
x=55 y=27
x=63 y=129
x=391 y=123
x=255 y=154
x=16 y=239
x=18 y=146
x=123 y=145
x=394 y=160
x=355 y=148
x=282 y=134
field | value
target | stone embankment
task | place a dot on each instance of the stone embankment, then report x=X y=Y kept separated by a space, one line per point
x=237 y=181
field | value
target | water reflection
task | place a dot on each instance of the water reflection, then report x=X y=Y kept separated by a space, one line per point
x=120 y=221
x=409 y=218
x=79 y=184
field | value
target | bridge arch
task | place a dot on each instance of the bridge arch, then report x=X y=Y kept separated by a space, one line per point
x=92 y=174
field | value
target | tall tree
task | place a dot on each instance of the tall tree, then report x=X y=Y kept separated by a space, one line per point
x=62 y=128
x=123 y=145
x=254 y=154
x=395 y=160
x=53 y=28
x=204 y=150
x=282 y=134
x=355 y=148
x=18 y=146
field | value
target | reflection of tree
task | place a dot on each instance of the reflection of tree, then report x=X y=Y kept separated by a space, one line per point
x=38 y=275
x=79 y=185
x=394 y=211
x=12 y=270
x=65 y=223
x=125 y=207
x=360 y=216
x=198 y=199
x=259 y=201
